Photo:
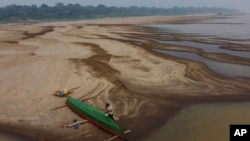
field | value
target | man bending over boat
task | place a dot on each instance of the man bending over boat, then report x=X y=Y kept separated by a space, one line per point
x=109 y=111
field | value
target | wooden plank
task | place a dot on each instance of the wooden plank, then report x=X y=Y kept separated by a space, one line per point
x=82 y=98
x=74 y=88
x=115 y=137
x=66 y=105
x=80 y=122
x=87 y=98
x=58 y=107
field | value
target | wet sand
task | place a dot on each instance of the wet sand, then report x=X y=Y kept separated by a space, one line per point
x=104 y=58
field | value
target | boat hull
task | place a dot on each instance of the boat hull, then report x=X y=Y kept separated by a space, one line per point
x=95 y=116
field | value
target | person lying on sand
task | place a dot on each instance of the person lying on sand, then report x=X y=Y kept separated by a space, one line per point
x=61 y=93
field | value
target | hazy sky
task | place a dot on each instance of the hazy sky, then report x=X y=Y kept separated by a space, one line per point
x=235 y=4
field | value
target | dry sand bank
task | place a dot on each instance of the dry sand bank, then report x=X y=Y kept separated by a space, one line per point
x=144 y=87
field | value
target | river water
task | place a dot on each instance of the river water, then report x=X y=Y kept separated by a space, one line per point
x=234 y=26
x=203 y=122
x=226 y=69
x=4 y=136
x=208 y=122
x=210 y=48
x=231 y=29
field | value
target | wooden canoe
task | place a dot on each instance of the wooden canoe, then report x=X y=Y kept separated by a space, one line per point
x=95 y=116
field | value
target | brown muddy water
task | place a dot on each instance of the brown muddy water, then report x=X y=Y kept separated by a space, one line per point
x=6 y=136
x=208 y=121
x=234 y=27
x=210 y=48
x=203 y=122
x=226 y=69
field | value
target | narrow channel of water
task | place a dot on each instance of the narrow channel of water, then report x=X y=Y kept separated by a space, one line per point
x=210 y=48
x=226 y=69
x=202 y=122
x=231 y=27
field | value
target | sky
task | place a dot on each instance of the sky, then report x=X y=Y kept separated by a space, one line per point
x=242 y=5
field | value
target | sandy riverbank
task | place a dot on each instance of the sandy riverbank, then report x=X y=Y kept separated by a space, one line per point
x=99 y=56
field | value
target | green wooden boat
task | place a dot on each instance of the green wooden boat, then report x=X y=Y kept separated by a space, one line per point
x=95 y=116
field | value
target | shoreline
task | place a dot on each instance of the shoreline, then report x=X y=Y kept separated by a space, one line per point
x=109 y=66
x=132 y=19
x=221 y=57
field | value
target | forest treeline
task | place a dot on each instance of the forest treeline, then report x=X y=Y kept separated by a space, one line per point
x=60 y=11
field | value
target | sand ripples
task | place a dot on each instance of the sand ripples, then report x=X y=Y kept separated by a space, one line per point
x=107 y=66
